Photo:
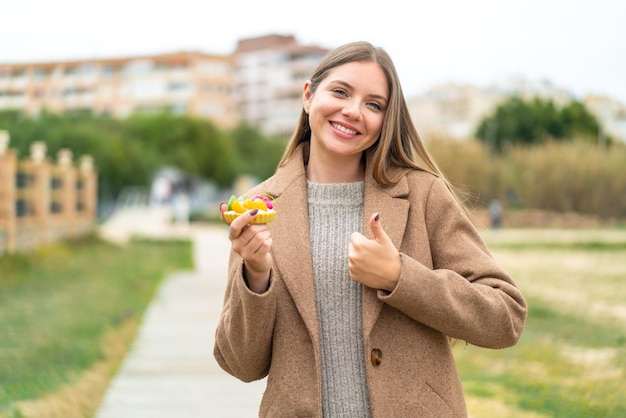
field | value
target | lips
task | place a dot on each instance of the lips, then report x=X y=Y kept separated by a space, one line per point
x=343 y=129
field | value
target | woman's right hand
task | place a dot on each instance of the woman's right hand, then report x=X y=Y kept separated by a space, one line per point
x=253 y=243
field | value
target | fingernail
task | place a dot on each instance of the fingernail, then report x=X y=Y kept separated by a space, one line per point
x=376 y=217
x=253 y=212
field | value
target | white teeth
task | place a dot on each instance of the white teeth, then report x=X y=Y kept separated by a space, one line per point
x=344 y=129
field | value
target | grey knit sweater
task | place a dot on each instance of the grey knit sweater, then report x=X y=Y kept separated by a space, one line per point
x=335 y=211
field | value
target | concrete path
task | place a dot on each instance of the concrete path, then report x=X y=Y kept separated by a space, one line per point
x=170 y=370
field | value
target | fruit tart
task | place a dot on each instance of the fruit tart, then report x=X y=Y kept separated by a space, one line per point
x=238 y=206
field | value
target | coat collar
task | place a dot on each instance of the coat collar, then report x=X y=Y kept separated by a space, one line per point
x=290 y=233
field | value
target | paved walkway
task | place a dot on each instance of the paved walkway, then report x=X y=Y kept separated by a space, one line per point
x=170 y=370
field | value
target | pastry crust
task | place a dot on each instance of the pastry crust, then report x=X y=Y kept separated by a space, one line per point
x=262 y=217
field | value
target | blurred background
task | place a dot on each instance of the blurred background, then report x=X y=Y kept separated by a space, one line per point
x=199 y=89
x=134 y=119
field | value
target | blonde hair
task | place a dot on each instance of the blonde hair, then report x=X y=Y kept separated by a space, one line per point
x=399 y=145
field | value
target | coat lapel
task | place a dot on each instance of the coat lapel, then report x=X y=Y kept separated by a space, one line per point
x=291 y=242
x=290 y=239
x=393 y=207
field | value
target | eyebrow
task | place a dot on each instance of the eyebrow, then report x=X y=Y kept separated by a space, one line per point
x=374 y=96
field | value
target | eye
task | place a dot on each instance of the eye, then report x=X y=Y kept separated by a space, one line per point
x=340 y=92
x=375 y=106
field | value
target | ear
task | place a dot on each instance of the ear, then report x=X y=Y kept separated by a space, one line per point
x=306 y=96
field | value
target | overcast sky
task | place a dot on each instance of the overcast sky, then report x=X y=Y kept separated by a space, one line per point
x=578 y=45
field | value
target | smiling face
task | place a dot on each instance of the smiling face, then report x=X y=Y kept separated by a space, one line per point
x=346 y=111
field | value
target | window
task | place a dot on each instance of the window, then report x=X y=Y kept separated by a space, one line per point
x=39 y=73
x=138 y=67
x=56 y=183
x=82 y=69
x=178 y=87
x=24 y=180
x=108 y=71
x=56 y=207
x=24 y=208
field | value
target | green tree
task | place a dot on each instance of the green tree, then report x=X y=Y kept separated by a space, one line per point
x=258 y=155
x=578 y=121
x=527 y=122
x=127 y=152
x=194 y=145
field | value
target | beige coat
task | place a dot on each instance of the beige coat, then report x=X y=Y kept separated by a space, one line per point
x=449 y=286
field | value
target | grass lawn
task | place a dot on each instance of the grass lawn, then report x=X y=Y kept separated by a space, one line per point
x=571 y=360
x=68 y=313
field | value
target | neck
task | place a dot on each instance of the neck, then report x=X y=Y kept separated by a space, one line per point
x=344 y=171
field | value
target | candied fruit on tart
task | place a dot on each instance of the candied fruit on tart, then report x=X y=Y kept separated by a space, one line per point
x=237 y=206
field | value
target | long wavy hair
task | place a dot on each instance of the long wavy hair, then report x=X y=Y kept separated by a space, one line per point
x=399 y=145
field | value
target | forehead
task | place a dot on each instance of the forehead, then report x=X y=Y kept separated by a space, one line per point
x=361 y=75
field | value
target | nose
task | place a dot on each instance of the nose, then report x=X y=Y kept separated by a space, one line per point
x=352 y=110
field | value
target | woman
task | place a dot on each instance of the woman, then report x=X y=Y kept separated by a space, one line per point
x=348 y=301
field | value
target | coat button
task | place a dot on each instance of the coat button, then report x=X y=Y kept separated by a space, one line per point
x=376 y=356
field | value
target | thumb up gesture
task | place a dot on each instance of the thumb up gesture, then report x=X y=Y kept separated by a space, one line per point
x=374 y=262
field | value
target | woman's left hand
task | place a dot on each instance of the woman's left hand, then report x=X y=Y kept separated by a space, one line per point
x=374 y=262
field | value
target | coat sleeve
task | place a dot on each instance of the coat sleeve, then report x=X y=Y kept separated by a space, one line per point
x=465 y=294
x=243 y=338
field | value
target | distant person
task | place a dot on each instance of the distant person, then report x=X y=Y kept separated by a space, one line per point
x=495 y=213
x=349 y=300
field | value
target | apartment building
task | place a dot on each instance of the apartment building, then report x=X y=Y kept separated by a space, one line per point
x=610 y=113
x=455 y=110
x=451 y=110
x=271 y=71
x=261 y=82
x=185 y=83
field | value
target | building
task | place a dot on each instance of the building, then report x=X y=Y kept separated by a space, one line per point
x=610 y=113
x=261 y=82
x=455 y=110
x=185 y=83
x=451 y=110
x=271 y=71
